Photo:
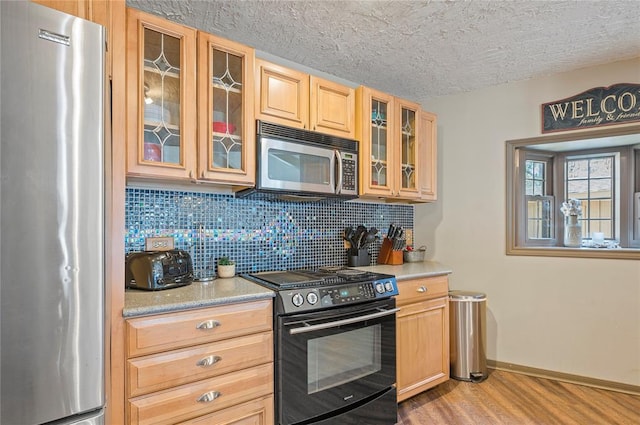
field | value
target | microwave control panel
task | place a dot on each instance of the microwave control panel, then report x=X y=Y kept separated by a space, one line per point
x=349 y=173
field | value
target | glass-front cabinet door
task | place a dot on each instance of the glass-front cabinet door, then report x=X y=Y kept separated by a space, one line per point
x=225 y=111
x=407 y=129
x=375 y=129
x=161 y=97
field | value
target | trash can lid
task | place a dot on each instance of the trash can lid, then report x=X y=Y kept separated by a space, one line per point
x=467 y=296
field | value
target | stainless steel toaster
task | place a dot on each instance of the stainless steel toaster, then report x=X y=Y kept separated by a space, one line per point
x=156 y=270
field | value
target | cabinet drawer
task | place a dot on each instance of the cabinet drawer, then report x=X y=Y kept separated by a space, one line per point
x=161 y=371
x=153 y=334
x=201 y=398
x=255 y=412
x=415 y=290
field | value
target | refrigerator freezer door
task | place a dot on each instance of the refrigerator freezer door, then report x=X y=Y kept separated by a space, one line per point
x=51 y=215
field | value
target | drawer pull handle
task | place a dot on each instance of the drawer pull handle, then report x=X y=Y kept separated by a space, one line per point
x=208 y=324
x=422 y=289
x=208 y=361
x=209 y=397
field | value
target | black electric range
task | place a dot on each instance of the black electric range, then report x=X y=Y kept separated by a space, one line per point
x=305 y=290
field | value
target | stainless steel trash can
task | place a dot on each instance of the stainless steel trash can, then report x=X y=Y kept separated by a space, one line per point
x=468 y=337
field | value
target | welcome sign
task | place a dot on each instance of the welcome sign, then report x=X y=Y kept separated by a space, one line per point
x=596 y=107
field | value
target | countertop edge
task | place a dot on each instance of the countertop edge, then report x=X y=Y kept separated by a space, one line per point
x=131 y=312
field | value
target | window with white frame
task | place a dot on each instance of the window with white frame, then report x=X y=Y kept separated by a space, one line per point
x=538 y=184
x=595 y=181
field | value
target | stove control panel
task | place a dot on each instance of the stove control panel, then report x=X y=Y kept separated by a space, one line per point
x=306 y=299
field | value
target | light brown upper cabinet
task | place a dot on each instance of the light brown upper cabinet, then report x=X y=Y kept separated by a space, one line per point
x=296 y=99
x=407 y=148
x=226 y=124
x=79 y=8
x=174 y=134
x=161 y=90
x=428 y=157
x=332 y=108
x=389 y=131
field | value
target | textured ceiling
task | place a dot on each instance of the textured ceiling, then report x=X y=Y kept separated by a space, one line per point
x=420 y=49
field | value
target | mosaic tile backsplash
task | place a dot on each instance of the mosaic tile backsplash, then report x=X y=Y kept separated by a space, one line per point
x=260 y=235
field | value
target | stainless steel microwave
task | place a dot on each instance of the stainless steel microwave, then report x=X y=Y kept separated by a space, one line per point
x=299 y=162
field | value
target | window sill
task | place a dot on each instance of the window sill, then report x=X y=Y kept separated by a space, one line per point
x=617 y=253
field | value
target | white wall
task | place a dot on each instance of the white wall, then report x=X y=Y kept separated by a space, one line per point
x=573 y=316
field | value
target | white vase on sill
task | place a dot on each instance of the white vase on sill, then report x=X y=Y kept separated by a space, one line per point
x=572 y=232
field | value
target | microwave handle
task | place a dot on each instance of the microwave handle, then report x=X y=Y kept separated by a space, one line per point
x=339 y=182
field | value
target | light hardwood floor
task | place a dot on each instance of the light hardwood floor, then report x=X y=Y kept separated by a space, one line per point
x=507 y=398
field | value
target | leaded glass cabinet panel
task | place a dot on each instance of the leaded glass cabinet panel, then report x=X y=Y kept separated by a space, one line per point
x=407 y=148
x=375 y=129
x=225 y=111
x=161 y=92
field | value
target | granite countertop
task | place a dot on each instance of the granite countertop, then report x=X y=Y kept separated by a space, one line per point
x=197 y=295
x=411 y=270
x=234 y=290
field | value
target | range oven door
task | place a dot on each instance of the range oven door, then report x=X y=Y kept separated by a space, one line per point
x=330 y=360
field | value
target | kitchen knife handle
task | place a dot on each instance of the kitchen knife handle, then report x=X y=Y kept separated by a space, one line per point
x=208 y=397
x=208 y=324
x=208 y=361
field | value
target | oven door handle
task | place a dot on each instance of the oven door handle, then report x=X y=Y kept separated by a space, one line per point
x=335 y=324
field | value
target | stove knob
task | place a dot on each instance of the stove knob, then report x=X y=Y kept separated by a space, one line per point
x=312 y=298
x=379 y=288
x=388 y=286
x=297 y=300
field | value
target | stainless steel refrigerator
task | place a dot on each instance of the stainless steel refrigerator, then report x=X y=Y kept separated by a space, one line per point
x=51 y=217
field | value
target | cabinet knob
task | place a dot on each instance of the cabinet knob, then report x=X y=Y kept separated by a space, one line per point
x=208 y=324
x=208 y=361
x=422 y=289
x=208 y=397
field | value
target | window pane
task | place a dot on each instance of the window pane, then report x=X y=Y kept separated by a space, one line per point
x=577 y=189
x=538 y=188
x=600 y=188
x=535 y=178
x=601 y=167
x=528 y=170
x=577 y=169
x=538 y=170
x=600 y=208
x=540 y=218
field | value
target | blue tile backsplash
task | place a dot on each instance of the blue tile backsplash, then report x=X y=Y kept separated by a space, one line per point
x=260 y=235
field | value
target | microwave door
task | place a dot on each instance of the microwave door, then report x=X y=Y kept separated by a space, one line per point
x=291 y=166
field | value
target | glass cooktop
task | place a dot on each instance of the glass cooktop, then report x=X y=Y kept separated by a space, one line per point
x=314 y=277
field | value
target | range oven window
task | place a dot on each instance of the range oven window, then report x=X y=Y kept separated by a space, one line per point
x=344 y=357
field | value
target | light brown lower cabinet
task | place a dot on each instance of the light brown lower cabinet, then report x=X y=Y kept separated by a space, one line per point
x=256 y=412
x=209 y=366
x=422 y=335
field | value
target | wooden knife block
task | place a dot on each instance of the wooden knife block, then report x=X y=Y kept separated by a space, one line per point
x=387 y=255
